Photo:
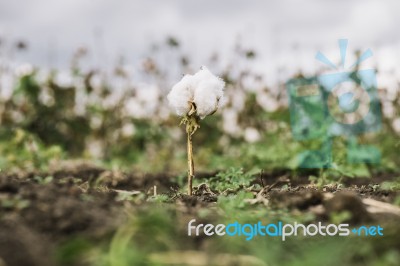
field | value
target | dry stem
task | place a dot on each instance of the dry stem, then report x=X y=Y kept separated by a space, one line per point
x=190 y=163
x=191 y=120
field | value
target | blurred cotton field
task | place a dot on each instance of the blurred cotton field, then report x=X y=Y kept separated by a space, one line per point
x=121 y=116
x=95 y=86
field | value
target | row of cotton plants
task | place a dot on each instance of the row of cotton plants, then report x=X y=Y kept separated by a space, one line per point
x=124 y=111
x=139 y=99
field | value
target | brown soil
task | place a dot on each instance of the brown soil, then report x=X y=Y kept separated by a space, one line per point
x=38 y=215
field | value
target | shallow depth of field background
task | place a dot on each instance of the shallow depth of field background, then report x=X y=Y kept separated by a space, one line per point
x=86 y=82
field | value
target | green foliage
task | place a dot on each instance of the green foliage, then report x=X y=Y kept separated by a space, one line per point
x=234 y=202
x=397 y=201
x=133 y=196
x=49 y=113
x=25 y=151
x=340 y=217
x=147 y=231
x=391 y=185
x=54 y=121
x=73 y=251
x=159 y=198
x=157 y=230
x=43 y=180
x=232 y=179
x=14 y=203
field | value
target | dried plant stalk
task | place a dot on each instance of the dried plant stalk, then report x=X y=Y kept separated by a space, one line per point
x=191 y=120
x=190 y=163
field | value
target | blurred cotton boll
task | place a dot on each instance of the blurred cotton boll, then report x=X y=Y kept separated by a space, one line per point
x=46 y=97
x=388 y=109
x=95 y=148
x=203 y=89
x=128 y=130
x=6 y=86
x=24 y=70
x=230 y=122
x=64 y=79
x=266 y=101
x=149 y=96
x=251 y=135
x=396 y=125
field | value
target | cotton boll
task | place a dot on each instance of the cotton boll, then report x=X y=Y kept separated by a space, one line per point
x=181 y=95
x=208 y=92
x=202 y=75
x=205 y=99
x=203 y=88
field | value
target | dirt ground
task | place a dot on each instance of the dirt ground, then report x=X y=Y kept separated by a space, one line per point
x=38 y=214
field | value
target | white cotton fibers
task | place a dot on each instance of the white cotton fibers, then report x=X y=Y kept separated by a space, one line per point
x=203 y=89
x=181 y=95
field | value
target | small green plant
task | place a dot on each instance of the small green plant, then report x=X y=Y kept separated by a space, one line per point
x=390 y=185
x=397 y=201
x=43 y=180
x=340 y=217
x=233 y=178
x=158 y=198
x=16 y=202
x=234 y=202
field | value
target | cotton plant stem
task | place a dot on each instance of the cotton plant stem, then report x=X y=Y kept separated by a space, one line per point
x=190 y=163
x=191 y=120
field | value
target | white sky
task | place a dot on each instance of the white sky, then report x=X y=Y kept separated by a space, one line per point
x=285 y=34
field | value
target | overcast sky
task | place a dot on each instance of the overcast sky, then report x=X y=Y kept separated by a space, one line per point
x=286 y=32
